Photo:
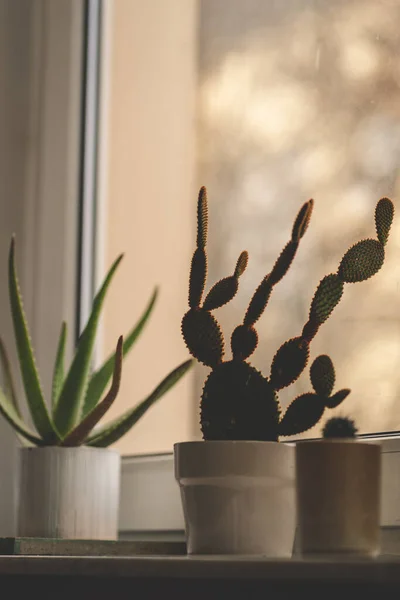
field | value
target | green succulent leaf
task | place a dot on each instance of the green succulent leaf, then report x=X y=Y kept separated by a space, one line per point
x=289 y=362
x=58 y=372
x=78 y=435
x=69 y=405
x=337 y=398
x=303 y=413
x=30 y=376
x=322 y=375
x=8 y=380
x=112 y=432
x=101 y=378
x=7 y=409
x=326 y=298
x=362 y=261
x=203 y=336
x=384 y=213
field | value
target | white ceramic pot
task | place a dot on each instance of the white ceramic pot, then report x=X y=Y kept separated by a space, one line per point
x=70 y=493
x=237 y=497
x=338 y=497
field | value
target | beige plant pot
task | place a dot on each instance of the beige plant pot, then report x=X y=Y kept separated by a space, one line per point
x=237 y=497
x=338 y=497
x=70 y=493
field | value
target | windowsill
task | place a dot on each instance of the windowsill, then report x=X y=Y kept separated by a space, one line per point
x=383 y=569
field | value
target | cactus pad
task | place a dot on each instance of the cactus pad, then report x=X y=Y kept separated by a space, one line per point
x=225 y=289
x=238 y=403
x=258 y=302
x=337 y=398
x=322 y=375
x=243 y=342
x=327 y=296
x=302 y=220
x=241 y=264
x=283 y=262
x=384 y=213
x=289 y=362
x=202 y=218
x=303 y=413
x=339 y=427
x=361 y=261
x=198 y=273
x=203 y=337
x=310 y=330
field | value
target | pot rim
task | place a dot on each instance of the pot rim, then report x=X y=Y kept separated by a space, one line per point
x=67 y=448
x=231 y=443
x=343 y=441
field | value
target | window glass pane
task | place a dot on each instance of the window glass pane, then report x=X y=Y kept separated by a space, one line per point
x=267 y=104
x=301 y=99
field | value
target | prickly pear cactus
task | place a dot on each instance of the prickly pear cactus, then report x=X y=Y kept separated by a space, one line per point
x=238 y=402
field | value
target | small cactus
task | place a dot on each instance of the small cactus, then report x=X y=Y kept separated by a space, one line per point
x=339 y=427
x=238 y=402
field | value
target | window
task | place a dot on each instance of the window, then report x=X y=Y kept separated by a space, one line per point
x=267 y=104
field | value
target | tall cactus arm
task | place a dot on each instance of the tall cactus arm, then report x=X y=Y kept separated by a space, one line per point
x=244 y=338
x=198 y=270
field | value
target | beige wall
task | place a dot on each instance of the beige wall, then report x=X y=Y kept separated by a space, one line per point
x=149 y=191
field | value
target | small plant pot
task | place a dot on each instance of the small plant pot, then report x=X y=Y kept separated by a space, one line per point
x=70 y=493
x=338 y=497
x=238 y=497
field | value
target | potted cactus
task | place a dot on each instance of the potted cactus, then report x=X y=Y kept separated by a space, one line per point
x=69 y=479
x=237 y=486
x=338 y=492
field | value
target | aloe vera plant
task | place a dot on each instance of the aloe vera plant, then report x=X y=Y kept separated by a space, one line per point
x=77 y=402
x=238 y=402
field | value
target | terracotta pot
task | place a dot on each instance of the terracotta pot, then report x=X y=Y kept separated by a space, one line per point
x=69 y=493
x=338 y=497
x=237 y=497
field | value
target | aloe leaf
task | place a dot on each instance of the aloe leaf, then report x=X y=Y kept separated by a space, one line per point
x=58 y=372
x=112 y=432
x=102 y=376
x=69 y=405
x=9 y=386
x=81 y=431
x=7 y=409
x=30 y=377
x=8 y=381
